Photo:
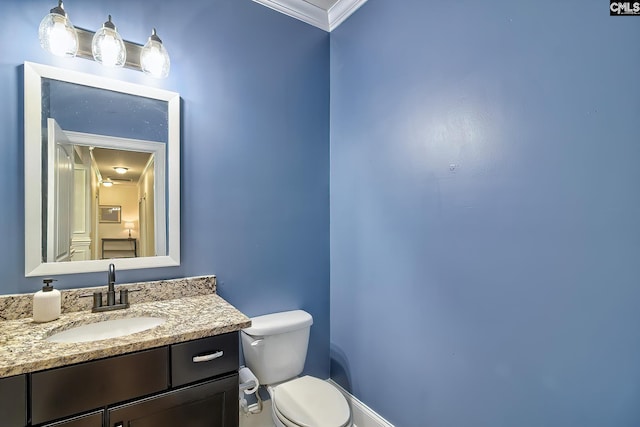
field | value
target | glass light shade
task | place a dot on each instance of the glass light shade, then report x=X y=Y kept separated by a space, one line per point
x=107 y=183
x=108 y=47
x=154 y=58
x=57 y=34
x=120 y=170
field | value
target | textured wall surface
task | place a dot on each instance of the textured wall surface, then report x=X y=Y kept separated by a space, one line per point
x=485 y=233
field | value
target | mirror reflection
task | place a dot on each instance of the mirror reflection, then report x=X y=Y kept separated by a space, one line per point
x=104 y=197
x=103 y=158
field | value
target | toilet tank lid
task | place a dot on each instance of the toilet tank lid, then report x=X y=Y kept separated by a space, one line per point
x=279 y=323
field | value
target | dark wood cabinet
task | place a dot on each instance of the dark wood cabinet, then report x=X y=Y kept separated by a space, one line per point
x=13 y=401
x=97 y=384
x=94 y=419
x=190 y=384
x=210 y=404
x=204 y=358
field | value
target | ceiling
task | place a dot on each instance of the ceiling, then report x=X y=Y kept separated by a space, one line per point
x=107 y=159
x=324 y=14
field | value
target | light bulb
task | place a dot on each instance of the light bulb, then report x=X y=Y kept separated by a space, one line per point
x=108 y=47
x=57 y=34
x=154 y=58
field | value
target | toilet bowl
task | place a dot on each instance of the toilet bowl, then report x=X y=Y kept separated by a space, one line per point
x=275 y=349
x=310 y=402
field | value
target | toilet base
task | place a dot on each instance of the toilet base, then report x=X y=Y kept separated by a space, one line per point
x=274 y=414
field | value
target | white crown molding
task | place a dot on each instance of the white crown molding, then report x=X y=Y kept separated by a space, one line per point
x=311 y=14
x=301 y=10
x=341 y=11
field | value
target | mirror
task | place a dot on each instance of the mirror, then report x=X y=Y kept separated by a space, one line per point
x=102 y=173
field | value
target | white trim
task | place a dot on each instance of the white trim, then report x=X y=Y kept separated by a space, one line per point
x=341 y=11
x=326 y=20
x=33 y=171
x=301 y=10
x=361 y=414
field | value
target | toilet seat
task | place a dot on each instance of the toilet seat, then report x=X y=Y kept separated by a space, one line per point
x=310 y=402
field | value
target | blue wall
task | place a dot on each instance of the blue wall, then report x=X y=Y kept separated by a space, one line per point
x=255 y=147
x=485 y=213
x=484 y=203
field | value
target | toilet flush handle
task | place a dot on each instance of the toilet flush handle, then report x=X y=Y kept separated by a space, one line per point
x=257 y=342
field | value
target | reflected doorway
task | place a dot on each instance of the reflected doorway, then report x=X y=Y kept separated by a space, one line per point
x=102 y=199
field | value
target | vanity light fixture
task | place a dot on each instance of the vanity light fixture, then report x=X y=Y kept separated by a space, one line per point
x=154 y=58
x=120 y=170
x=105 y=46
x=57 y=34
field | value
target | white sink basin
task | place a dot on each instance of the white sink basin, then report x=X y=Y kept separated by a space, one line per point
x=106 y=329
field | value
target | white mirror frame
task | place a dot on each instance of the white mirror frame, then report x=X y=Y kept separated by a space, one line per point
x=33 y=73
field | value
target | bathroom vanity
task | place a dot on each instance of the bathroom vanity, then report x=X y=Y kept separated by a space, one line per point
x=180 y=372
x=183 y=372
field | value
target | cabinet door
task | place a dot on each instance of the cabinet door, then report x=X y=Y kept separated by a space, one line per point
x=13 y=401
x=64 y=392
x=93 y=419
x=210 y=404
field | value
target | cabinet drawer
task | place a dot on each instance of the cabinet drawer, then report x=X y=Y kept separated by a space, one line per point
x=204 y=358
x=13 y=401
x=62 y=392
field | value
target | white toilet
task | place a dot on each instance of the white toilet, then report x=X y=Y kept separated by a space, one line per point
x=275 y=349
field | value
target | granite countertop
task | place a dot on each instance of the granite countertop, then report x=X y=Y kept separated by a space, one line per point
x=23 y=347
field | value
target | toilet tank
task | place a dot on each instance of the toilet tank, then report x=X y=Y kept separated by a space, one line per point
x=275 y=346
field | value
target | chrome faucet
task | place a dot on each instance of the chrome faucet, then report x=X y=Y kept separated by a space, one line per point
x=111 y=295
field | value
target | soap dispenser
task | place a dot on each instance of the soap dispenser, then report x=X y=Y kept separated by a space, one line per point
x=46 y=303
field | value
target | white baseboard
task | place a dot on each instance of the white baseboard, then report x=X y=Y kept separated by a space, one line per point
x=362 y=415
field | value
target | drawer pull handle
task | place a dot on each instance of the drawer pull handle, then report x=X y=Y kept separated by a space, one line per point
x=208 y=357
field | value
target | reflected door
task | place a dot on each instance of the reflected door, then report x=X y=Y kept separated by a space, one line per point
x=61 y=183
